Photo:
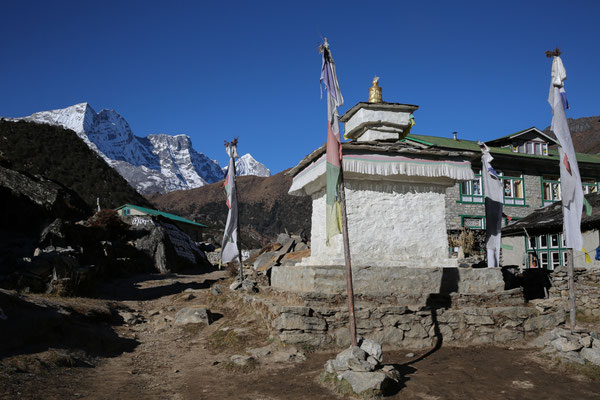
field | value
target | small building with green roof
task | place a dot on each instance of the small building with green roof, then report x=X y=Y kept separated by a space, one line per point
x=192 y=228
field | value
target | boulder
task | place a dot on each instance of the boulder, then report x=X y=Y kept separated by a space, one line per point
x=366 y=381
x=53 y=234
x=573 y=357
x=169 y=247
x=193 y=315
x=354 y=356
x=565 y=344
x=372 y=348
x=240 y=360
x=592 y=355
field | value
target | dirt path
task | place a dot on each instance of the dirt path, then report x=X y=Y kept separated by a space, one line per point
x=194 y=362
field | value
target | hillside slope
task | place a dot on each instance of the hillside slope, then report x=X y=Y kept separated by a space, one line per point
x=585 y=132
x=60 y=155
x=265 y=208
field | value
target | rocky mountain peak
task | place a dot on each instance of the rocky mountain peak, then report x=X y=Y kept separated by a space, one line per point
x=156 y=163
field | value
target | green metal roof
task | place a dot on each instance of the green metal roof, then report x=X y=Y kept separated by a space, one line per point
x=161 y=213
x=472 y=145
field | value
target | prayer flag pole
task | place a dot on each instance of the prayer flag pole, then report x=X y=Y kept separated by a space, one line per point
x=570 y=180
x=231 y=246
x=336 y=216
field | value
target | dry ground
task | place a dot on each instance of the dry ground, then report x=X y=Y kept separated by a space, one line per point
x=170 y=362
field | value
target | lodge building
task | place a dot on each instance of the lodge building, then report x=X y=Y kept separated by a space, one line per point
x=528 y=165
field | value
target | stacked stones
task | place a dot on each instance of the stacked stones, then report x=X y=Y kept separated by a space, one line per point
x=322 y=319
x=574 y=346
x=587 y=288
x=361 y=367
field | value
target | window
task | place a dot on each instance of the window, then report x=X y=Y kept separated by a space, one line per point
x=512 y=183
x=554 y=240
x=532 y=147
x=550 y=189
x=544 y=260
x=473 y=222
x=554 y=259
x=126 y=211
x=550 y=252
x=472 y=191
x=589 y=185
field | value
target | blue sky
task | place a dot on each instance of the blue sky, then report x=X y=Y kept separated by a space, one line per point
x=216 y=70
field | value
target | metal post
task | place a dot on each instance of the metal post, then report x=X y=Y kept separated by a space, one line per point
x=352 y=318
x=571 y=275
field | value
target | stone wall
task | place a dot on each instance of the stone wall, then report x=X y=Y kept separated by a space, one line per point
x=320 y=320
x=587 y=289
x=389 y=223
x=454 y=209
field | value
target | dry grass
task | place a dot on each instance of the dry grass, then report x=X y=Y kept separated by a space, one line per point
x=223 y=340
x=245 y=369
x=589 y=370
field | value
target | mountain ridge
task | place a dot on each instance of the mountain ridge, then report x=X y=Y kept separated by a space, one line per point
x=154 y=163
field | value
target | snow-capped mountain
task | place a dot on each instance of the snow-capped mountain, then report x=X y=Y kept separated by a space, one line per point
x=247 y=165
x=156 y=163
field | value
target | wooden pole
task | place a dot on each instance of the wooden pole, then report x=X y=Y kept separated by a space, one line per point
x=234 y=143
x=352 y=318
x=571 y=275
x=238 y=227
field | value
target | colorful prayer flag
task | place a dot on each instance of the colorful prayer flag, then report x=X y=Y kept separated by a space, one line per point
x=334 y=146
x=570 y=180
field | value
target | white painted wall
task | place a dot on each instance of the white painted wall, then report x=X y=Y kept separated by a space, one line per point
x=366 y=115
x=389 y=224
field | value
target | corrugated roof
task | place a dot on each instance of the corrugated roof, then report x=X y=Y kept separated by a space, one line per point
x=550 y=219
x=472 y=145
x=162 y=213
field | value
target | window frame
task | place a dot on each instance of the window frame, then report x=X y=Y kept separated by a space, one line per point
x=513 y=200
x=480 y=217
x=472 y=198
x=550 y=183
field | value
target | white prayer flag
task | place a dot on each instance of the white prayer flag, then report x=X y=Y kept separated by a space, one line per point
x=570 y=180
x=230 y=238
x=494 y=197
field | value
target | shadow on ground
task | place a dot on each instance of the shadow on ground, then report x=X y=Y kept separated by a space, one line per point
x=435 y=302
x=146 y=287
x=36 y=325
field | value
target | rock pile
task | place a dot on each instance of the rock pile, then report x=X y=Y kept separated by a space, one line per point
x=68 y=257
x=288 y=249
x=361 y=367
x=574 y=346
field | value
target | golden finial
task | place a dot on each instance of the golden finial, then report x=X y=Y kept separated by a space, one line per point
x=375 y=92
